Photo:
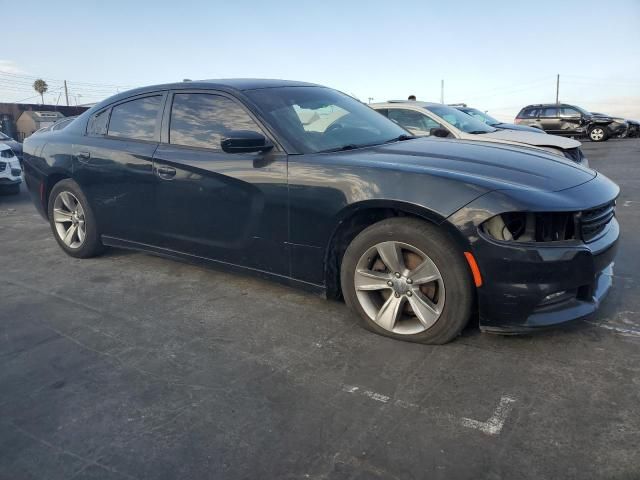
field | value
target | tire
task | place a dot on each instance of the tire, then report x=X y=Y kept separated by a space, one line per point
x=598 y=133
x=370 y=287
x=68 y=204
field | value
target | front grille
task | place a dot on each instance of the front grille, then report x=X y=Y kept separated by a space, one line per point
x=574 y=154
x=594 y=221
x=3 y=165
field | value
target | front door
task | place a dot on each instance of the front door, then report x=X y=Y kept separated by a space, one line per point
x=230 y=207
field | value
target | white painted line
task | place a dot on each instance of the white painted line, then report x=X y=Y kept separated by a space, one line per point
x=628 y=203
x=624 y=331
x=378 y=397
x=494 y=425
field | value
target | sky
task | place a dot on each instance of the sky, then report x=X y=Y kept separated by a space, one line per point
x=496 y=56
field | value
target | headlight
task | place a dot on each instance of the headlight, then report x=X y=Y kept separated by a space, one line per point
x=531 y=227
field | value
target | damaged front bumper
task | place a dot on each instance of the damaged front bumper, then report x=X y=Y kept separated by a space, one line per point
x=532 y=287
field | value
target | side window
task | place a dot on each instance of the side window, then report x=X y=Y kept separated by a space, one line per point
x=203 y=120
x=98 y=123
x=413 y=120
x=568 y=112
x=383 y=111
x=135 y=119
x=530 y=113
x=550 y=112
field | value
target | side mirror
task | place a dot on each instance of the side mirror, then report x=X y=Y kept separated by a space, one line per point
x=439 y=132
x=245 y=141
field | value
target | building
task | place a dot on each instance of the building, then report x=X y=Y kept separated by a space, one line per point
x=30 y=121
x=11 y=112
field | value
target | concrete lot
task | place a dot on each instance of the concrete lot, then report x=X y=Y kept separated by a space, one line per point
x=131 y=366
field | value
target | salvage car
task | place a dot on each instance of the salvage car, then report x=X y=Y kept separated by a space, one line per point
x=566 y=120
x=15 y=146
x=494 y=122
x=426 y=118
x=306 y=185
x=10 y=171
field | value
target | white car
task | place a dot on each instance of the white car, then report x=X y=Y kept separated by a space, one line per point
x=10 y=171
x=426 y=118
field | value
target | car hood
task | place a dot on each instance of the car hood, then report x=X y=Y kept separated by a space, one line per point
x=533 y=138
x=490 y=166
x=522 y=128
x=15 y=146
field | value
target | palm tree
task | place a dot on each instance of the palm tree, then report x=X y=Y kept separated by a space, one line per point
x=41 y=87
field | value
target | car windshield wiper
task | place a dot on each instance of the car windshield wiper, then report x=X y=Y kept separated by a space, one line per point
x=478 y=132
x=349 y=146
x=401 y=138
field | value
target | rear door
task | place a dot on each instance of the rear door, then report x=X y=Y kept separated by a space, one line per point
x=224 y=206
x=114 y=165
x=550 y=119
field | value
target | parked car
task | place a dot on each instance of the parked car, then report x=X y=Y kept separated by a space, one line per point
x=15 y=146
x=495 y=123
x=567 y=120
x=425 y=118
x=311 y=187
x=618 y=128
x=10 y=171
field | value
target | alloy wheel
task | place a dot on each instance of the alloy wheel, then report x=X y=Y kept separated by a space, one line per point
x=597 y=134
x=69 y=219
x=399 y=287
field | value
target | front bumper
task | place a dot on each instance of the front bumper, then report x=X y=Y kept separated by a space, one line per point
x=532 y=287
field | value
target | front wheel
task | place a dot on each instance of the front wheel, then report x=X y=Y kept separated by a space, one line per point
x=407 y=280
x=598 y=134
x=72 y=220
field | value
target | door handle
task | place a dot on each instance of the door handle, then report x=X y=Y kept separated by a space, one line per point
x=166 y=173
x=83 y=156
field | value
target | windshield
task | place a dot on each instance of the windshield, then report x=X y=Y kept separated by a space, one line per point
x=317 y=119
x=460 y=120
x=483 y=117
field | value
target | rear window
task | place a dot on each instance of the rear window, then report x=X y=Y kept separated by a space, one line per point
x=529 y=112
x=135 y=119
x=98 y=123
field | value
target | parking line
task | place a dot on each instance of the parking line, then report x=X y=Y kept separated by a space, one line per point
x=493 y=426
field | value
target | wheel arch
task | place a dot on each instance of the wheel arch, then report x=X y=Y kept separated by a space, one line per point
x=356 y=217
x=49 y=182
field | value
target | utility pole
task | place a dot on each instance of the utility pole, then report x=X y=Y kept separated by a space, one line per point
x=441 y=91
x=370 y=99
x=66 y=92
x=558 y=89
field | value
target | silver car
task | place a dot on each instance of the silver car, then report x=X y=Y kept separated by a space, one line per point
x=426 y=118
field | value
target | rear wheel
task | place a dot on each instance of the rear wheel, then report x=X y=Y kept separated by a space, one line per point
x=72 y=220
x=598 y=134
x=407 y=280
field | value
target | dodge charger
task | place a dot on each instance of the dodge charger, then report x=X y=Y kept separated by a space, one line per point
x=308 y=186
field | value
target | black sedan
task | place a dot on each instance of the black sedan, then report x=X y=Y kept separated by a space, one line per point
x=306 y=185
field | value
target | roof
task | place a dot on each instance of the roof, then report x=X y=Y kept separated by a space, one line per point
x=413 y=103
x=224 y=84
